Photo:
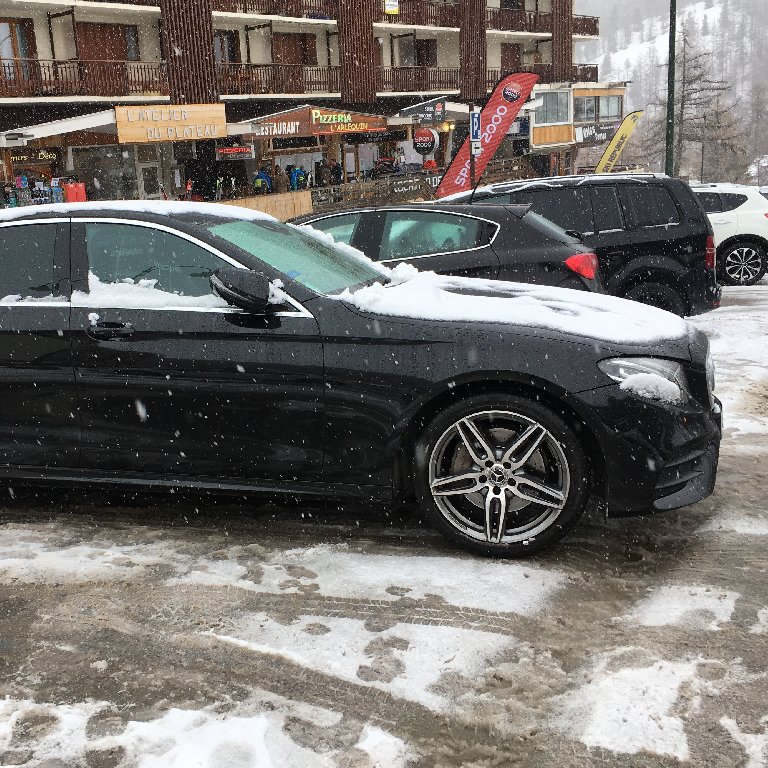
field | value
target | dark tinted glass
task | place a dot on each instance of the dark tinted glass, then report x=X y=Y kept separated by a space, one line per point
x=732 y=202
x=607 y=209
x=26 y=261
x=502 y=199
x=649 y=205
x=416 y=233
x=568 y=208
x=340 y=228
x=710 y=201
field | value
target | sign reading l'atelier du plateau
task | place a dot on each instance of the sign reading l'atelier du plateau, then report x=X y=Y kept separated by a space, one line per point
x=187 y=122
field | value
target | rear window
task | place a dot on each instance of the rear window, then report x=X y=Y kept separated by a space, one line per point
x=649 y=205
x=732 y=201
x=711 y=201
x=568 y=208
x=607 y=209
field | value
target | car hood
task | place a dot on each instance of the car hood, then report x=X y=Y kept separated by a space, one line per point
x=612 y=321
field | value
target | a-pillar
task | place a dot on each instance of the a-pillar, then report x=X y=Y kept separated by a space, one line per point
x=473 y=50
x=562 y=40
x=357 y=51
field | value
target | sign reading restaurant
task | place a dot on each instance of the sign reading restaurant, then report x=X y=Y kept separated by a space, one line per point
x=314 y=121
x=187 y=122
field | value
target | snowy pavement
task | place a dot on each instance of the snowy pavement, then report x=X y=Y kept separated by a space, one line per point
x=186 y=633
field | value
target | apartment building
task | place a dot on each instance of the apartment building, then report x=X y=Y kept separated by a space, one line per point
x=64 y=64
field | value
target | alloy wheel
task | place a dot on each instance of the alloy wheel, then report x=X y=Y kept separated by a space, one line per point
x=744 y=265
x=499 y=477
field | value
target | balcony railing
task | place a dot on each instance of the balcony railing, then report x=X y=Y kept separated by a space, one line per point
x=580 y=73
x=31 y=77
x=306 y=9
x=507 y=20
x=586 y=25
x=428 y=13
x=418 y=79
x=247 y=79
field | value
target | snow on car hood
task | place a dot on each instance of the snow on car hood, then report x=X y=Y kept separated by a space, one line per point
x=428 y=296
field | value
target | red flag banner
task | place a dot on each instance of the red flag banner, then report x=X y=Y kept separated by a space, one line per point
x=501 y=111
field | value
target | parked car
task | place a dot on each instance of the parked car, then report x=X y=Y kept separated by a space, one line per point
x=209 y=347
x=739 y=216
x=501 y=242
x=652 y=238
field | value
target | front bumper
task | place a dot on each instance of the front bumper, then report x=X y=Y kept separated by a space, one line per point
x=656 y=456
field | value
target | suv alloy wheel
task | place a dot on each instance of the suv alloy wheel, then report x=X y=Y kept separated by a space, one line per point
x=743 y=264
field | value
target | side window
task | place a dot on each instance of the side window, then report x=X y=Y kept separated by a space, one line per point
x=607 y=209
x=499 y=199
x=648 y=205
x=413 y=233
x=710 y=201
x=26 y=256
x=148 y=258
x=340 y=228
x=568 y=208
x=731 y=202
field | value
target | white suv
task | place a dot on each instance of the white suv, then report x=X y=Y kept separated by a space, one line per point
x=739 y=216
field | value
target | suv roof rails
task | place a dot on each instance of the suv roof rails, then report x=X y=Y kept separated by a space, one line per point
x=501 y=185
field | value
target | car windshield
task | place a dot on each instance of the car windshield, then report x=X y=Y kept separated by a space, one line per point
x=319 y=266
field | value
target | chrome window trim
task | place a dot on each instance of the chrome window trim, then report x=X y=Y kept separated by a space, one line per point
x=300 y=310
x=42 y=303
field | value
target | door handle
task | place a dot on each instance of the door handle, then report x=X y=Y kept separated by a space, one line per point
x=108 y=331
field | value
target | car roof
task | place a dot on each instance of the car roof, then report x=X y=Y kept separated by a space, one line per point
x=574 y=181
x=725 y=187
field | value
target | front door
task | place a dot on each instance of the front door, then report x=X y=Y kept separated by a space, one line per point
x=150 y=181
x=174 y=381
x=39 y=418
x=104 y=50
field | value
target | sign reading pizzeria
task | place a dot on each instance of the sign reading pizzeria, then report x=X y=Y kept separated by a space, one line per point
x=187 y=122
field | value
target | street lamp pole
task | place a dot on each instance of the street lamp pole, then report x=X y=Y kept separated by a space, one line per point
x=670 y=142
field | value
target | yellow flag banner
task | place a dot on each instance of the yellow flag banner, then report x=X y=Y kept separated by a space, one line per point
x=618 y=142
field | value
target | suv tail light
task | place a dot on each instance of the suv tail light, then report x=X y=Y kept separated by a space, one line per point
x=584 y=264
x=712 y=252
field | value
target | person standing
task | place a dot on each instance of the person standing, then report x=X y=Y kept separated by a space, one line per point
x=325 y=175
x=337 y=175
x=281 y=183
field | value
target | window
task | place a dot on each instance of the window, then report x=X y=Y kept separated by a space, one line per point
x=648 y=205
x=299 y=256
x=123 y=253
x=568 y=208
x=226 y=46
x=426 y=53
x=731 y=202
x=17 y=40
x=26 y=256
x=711 y=201
x=611 y=107
x=133 y=52
x=512 y=5
x=412 y=233
x=584 y=109
x=502 y=199
x=556 y=108
x=340 y=228
x=606 y=209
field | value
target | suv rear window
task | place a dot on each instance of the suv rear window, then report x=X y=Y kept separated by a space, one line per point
x=649 y=205
x=732 y=201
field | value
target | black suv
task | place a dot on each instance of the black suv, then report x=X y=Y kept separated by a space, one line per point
x=504 y=242
x=652 y=238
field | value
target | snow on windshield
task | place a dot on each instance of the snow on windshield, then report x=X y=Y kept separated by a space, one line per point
x=427 y=296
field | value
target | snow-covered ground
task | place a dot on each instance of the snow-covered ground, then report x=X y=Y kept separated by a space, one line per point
x=189 y=634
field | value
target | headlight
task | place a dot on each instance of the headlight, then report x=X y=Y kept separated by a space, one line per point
x=710 y=372
x=652 y=378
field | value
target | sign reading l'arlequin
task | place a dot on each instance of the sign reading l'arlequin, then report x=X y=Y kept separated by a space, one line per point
x=327 y=121
x=187 y=122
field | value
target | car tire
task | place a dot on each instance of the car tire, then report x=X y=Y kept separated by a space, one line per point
x=529 y=496
x=742 y=264
x=657 y=295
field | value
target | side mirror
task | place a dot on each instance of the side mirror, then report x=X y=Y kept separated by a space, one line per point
x=242 y=288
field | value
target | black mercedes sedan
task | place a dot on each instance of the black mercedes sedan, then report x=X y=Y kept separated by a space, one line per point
x=504 y=242
x=182 y=345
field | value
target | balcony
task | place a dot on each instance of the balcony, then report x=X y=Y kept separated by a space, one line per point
x=418 y=79
x=586 y=25
x=24 y=78
x=426 y=13
x=580 y=73
x=255 y=79
x=506 y=20
x=300 y=9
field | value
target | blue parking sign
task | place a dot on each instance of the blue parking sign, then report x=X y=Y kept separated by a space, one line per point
x=475 y=126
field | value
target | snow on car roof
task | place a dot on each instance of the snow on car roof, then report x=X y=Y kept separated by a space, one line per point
x=156 y=207
x=428 y=296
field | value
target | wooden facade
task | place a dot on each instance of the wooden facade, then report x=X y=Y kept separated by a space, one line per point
x=358 y=50
x=473 y=50
x=562 y=40
x=188 y=42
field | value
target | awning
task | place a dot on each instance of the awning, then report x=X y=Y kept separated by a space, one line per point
x=103 y=121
